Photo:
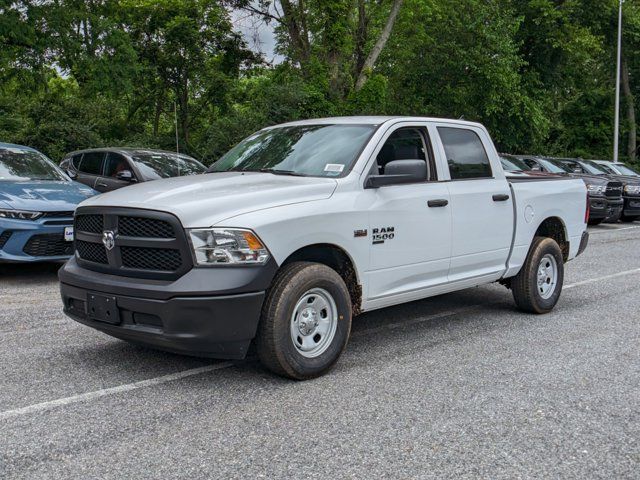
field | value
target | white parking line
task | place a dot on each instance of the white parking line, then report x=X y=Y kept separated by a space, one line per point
x=113 y=390
x=38 y=407
x=610 y=230
x=606 y=277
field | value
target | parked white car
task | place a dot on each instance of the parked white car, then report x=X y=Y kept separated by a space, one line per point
x=302 y=226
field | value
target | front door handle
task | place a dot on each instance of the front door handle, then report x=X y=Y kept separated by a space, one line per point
x=500 y=197
x=102 y=185
x=438 y=203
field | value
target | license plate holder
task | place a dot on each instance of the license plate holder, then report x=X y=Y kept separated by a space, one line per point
x=68 y=234
x=102 y=308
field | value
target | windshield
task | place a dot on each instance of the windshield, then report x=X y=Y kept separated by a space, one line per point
x=154 y=165
x=624 y=170
x=554 y=166
x=23 y=165
x=512 y=164
x=593 y=167
x=608 y=168
x=309 y=150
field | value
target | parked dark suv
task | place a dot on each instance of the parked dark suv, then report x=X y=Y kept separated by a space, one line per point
x=106 y=169
x=630 y=185
x=605 y=194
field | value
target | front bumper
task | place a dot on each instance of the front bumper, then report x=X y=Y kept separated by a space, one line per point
x=631 y=206
x=208 y=312
x=603 y=207
x=40 y=240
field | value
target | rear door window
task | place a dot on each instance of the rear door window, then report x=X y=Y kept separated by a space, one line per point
x=466 y=155
x=91 y=163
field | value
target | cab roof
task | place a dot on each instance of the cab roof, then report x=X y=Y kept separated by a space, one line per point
x=126 y=151
x=373 y=120
x=17 y=147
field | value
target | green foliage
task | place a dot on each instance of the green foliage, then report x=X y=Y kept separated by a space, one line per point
x=80 y=73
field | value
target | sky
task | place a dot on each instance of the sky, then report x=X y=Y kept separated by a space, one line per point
x=258 y=35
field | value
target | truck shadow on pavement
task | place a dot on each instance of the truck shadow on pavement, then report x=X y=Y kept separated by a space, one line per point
x=376 y=334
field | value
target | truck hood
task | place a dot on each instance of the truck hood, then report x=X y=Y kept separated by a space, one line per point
x=43 y=196
x=590 y=179
x=208 y=199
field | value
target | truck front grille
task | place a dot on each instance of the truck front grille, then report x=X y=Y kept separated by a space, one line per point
x=89 y=223
x=48 y=245
x=614 y=190
x=131 y=242
x=151 y=258
x=92 y=252
x=144 y=227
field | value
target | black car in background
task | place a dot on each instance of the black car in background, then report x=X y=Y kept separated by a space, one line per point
x=106 y=169
x=605 y=194
x=630 y=185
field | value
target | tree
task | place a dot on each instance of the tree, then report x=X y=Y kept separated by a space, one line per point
x=336 y=42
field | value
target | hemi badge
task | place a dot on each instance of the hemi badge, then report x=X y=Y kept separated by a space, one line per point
x=359 y=233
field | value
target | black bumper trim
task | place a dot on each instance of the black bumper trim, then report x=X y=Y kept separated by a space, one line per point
x=584 y=241
x=603 y=207
x=631 y=206
x=212 y=326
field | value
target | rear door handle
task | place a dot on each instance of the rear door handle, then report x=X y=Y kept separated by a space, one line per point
x=100 y=184
x=500 y=197
x=438 y=203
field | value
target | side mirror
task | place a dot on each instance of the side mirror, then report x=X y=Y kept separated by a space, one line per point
x=125 y=175
x=398 y=172
x=536 y=168
x=72 y=173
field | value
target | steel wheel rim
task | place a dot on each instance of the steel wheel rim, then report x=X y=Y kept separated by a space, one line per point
x=547 y=276
x=314 y=322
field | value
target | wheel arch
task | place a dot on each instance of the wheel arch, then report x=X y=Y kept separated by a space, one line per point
x=553 y=227
x=338 y=259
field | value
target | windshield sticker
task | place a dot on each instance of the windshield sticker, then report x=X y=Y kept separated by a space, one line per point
x=334 y=167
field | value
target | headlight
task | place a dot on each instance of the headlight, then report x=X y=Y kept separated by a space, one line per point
x=632 y=189
x=227 y=246
x=20 y=214
x=597 y=189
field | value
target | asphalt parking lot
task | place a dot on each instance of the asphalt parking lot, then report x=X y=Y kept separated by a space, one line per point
x=458 y=386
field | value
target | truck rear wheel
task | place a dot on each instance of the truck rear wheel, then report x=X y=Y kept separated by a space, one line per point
x=538 y=285
x=306 y=321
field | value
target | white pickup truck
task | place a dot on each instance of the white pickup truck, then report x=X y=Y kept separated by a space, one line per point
x=302 y=226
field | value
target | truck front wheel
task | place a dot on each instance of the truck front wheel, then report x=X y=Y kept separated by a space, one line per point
x=537 y=287
x=305 y=322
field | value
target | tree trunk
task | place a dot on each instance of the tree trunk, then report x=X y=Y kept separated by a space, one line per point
x=631 y=112
x=361 y=38
x=372 y=58
x=294 y=21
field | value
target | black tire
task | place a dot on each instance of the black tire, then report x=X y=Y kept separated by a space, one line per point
x=274 y=343
x=595 y=222
x=524 y=285
x=626 y=218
